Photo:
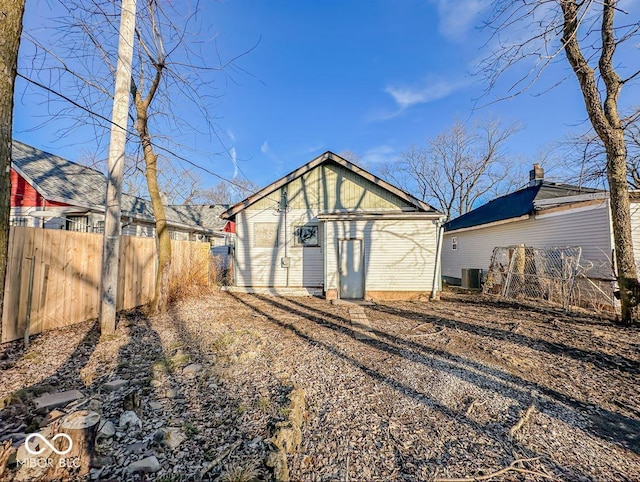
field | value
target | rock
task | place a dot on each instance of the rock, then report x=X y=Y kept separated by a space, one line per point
x=114 y=385
x=52 y=417
x=129 y=420
x=107 y=429
x=171 y=393
x=95 y=474
x=101 y=461
x=14 y=437
x=58 y=399
x=95 y=405
x=155 y=405
x=192 y=369
x=169 y=437
x=136 y=448
x=148 y=465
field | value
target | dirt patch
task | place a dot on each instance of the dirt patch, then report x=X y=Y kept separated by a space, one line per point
x=462 y=387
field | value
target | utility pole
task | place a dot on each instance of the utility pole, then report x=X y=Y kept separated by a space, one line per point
x=119 y=117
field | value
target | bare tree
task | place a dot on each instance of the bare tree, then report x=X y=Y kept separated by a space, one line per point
x=589 y=33
x=11 y=12
x=458 y=168
x=168 y=73
x=586 y=158
x=178 y=184
x=227 y=193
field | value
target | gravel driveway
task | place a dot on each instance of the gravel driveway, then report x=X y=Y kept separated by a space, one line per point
x=464 y=387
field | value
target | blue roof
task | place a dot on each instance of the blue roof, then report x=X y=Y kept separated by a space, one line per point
x=514 y=205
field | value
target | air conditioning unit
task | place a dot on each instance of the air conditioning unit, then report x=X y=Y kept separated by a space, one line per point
x=471 y=278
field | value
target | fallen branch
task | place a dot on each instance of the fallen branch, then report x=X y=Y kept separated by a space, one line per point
x=510 y=468
x=474 y=404
x=522 y=420
x=214 y=463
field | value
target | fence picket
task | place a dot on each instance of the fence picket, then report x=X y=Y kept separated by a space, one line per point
x=67 y=276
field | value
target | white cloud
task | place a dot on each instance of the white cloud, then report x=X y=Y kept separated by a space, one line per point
x=407 y=96
x=264 y=148
x=377 y=154
x=457 y=17
x=231 y=135
x=234 y=159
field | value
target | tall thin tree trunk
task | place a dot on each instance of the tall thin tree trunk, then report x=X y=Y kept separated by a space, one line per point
x=621 y=221
x=163 y=240
x=11 y=12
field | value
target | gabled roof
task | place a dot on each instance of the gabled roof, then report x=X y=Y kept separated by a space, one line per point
x=327 y=157
x=516 y=204
x=57 y=179
x=207 y=216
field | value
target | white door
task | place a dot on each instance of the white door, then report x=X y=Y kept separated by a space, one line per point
x=351 y=269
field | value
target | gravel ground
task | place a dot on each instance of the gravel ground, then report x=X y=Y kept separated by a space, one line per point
x=459 y=388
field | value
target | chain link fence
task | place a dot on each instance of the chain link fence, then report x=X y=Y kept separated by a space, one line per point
x=522 y=272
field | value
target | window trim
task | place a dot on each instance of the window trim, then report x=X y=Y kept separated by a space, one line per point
x=296 y=237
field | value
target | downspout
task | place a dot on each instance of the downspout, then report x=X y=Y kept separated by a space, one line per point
x=286 y=233
x=435 y=295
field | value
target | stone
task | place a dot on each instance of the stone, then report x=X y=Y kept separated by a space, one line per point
x=129 y=420
x=155 y=405
x=54 y=400
x=192 y=369
x=136 y=448
x=95 y=474
x=171 y=393
x=169 y=437
x=148 y=465
x=114 y=385
x=14 y=437
x=107 y=429
x=101 y=461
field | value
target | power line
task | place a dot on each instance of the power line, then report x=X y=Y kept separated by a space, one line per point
x=101 y=117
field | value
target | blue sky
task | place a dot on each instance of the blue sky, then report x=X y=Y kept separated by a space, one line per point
x=372 y=77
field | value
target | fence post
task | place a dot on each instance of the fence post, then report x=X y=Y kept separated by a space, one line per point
x=29 y=300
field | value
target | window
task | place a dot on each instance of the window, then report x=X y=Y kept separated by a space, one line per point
x=306 y=235
x=99 y=227
x=18 y=221
x=454 y=243
x=265 y=235
x=78 y=223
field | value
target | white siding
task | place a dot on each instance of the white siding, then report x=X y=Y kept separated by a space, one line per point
x=399 y=254
x=586 y=227
x=261 y=266
x=635 y=230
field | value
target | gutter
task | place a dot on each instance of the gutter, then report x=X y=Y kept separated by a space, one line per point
x=438 y=267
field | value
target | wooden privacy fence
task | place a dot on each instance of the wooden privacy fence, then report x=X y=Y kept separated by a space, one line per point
x=53 y=276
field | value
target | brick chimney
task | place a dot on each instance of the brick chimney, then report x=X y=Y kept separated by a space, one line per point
x=536 y=175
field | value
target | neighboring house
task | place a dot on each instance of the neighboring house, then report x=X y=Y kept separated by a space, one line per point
x=543 y=214
x=50 y=192
x=331 y=227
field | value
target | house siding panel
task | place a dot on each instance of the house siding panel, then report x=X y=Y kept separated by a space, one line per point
x=261 y=266
x=399 y=255
x=585 y=227
x=635 y=230
x=332 y=188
